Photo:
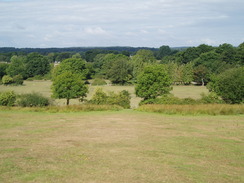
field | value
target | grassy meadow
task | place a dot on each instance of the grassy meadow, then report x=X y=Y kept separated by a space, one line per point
x=58 y=145
x=44 y=87
x=121 y=146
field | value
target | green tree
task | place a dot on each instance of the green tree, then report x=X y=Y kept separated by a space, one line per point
x=227 y=53
x=154 y=81
x=240 y=54
x=37 y=64
x=3 y=68
x=142 y=59
x=17 y=66
x=163 y=51
x=69 y=86
x=75 y=65
x=230 y=85
x=201 y=74
x=120 y=71
x=187 y=73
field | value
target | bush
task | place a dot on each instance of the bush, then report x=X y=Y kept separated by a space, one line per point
x=7 y=80
x=121 y=99
x=32 y=100
x=229 y=85
x=211 y=98
x=18 y=80
x=98 y=82
x=7 y=98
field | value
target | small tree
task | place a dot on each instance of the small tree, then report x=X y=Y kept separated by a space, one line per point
x=153 y=82
x=69 y=86
x=230 y=85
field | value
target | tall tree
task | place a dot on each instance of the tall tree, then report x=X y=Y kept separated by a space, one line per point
x=142 y=59
x=3 y=68
x=187 y=73
x=75 y=65
x=163 y=51
x=120 y=71
x=36 y=64
x=17 y=66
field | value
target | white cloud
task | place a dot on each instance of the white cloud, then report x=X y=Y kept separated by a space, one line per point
x=115 y=22
x=95 y=31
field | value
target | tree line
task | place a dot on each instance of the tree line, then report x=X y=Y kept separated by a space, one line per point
x=199 y=65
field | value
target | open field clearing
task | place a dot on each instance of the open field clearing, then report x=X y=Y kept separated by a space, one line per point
x=122 y=146
x=44 y=87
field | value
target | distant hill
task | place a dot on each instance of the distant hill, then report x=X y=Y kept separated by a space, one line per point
x=77 y=49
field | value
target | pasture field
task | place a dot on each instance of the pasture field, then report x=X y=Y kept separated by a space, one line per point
x=120 y=146
x=44 y=87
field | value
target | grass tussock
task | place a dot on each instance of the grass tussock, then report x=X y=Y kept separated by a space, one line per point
x=208 y=109
x=71 y=108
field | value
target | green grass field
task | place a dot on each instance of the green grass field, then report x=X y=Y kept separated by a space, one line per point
x=121 y=146
x=44 y=87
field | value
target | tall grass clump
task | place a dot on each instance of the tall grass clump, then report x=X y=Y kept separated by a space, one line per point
x=208 y=109
x=66 y=109
x=98 y=82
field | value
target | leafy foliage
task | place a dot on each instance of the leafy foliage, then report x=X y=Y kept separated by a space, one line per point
x=36 y=64
x=230 y=85
x=75 y=65
x=3 y=68
x=98 y=82
x=7 y=98
x=17 y=66
x=7 y=80
x=69 y=86
x=18 y=80
x=32 y=100
x=153 y=82
x=121 y=99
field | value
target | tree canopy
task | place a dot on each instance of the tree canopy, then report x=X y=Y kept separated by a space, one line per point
x=230 y=85
x=68 y=86
x=154 y=81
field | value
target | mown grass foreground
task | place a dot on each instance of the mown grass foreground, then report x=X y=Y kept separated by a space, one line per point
x=120 y=146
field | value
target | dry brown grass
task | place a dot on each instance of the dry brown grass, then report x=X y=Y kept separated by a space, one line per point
x=124 y=146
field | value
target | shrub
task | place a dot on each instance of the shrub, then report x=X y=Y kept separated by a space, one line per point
x=98 y=82
x=121 y=99
x=7 y=98
x=33 y=100
x=7 y=80
x=18 y=80
x=211 y=98
x=230 y=85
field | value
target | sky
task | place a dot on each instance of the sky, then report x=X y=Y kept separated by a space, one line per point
x=137 y=23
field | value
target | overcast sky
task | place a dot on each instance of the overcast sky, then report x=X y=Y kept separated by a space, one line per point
x=150 y=23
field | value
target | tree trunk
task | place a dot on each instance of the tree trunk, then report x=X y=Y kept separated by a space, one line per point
x=202 y=82
x=67 y=103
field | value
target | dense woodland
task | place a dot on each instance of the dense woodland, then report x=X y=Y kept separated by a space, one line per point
x=122 y=65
